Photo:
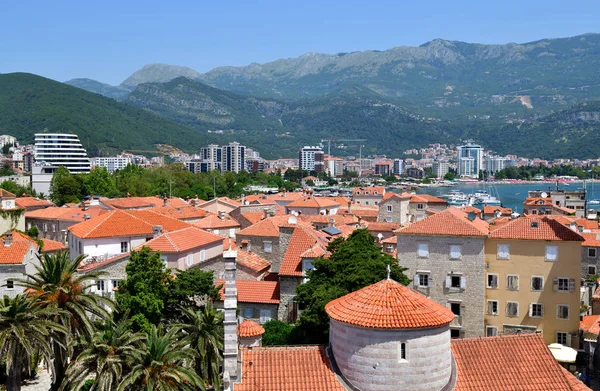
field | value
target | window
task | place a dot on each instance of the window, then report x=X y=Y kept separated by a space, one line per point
x=491 y=331
x=454 y=333
x=389 y=208
x=592 y=270
x=190 y=259
x=53 y=227
x=10 y=284
x=403 y=351
x=268 y=247
x=455 y=281
x=503 y=251
x=100 y=285
x=420 y=206
x=537 y=283
x=45 y=227
x=562 y=311
x=561 y=338
x=551 y=253
x=248 y=312
x=423 y=250
x=366 y=202
x=562 y=284
x=376 y=192
x=367 y=192
x=265 y=316
x=202 y=255
x=512 y=308
x=512 y=282
x=80 y=248
x=536 y=310
x=591 y=252
x=455 y=308
x=115 y=284
x=454 y=252
x=423 y=280
x=164 y=259
x=388 y=219
x=124 y=247
x=492 y=307
x=492 y=281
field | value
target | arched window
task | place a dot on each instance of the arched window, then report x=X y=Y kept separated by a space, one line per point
x=402 y=352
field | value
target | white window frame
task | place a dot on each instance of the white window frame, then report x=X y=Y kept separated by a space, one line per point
x=268 y=247
x=508 y=304
x=531 y=310
x=202 y=255
x=493 y=329
x=592 y=249
x=420 y=206
x=422 y=250
x=115 y=283
x=402 y=344
x=531 y=284
x=509 y=277
x=559 y=340
x=419 y=277
x=549 y=256
x=500 y=253
x=558 y=311
x=388 y=219
x=165 y=260
x=100 y=286
x=487 y=280
x=567 y=285
x=492 y=312
x=453 y=250
x=389 y=208
x=189 y=259
x=265 y=315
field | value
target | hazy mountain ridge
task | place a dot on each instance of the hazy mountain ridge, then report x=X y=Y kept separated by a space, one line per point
x=158 y=73
x=114 y=92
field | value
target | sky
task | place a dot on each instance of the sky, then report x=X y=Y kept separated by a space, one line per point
x=109 y=40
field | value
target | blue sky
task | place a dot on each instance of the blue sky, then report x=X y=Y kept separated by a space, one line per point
x=108 y=40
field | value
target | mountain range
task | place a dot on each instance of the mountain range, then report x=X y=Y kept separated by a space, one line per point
x=441 y=91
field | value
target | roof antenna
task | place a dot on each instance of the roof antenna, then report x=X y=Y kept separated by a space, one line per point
x=389 y=270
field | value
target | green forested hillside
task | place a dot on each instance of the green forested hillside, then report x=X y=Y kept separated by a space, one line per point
x=30 y=104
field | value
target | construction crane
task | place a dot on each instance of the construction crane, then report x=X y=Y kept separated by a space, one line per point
x=155 y=152
x=340 y=140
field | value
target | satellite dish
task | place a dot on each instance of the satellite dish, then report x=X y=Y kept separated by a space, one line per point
x=292 y=220
x=544 y=195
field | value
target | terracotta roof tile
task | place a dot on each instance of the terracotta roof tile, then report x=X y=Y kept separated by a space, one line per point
x=249 y=328
x=252 y=261
x=576 y=384
x=182 y=240
x=133 y=202
x=15 y=253
x=538 y=201
x=587 y=224
x=6 y=194
x=590 y=324
x=590 y=240
x=450 y=222
x=287 y=368
x=91 y=265
x=381 y=226
x=418 y=198
x=490 y=210
x=302 y=240
x=313 y=202
x=268 y=227
x=388 y=305
x=547 y=229
x=213 y=221
x=52 y=245
x=360 y=191
x=390 y=240
x=64 y=214
x=180 y=212
x=518 y=362
x=28 y=202
x=258 y=292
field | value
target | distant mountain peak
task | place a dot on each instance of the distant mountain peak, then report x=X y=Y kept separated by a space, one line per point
x=159 y=73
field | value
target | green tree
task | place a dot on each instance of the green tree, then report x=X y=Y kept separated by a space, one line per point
x=203 y=331
x=449 y=176
x=99 y=182
x=64 y=187
x=142 y=294
x=106 y=356
x=310 y=182
x=57 y=284
x=6 y=169
x=187 y=285
x=164 y=364
x=6 y=148
x=354 y=263
x=25 y=331
x=276 y=333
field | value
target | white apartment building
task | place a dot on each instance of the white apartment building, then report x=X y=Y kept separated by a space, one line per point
x=307 y=157
x=465 y=167
x=398 y=166
x=440 y=168
x=112 y=163
x=53 y=150
x=234 y=157
x=493 y=164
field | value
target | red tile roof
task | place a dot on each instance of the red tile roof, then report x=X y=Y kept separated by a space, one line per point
x=401 y=196
x=91 y=265
x=590 y=324
x=302 y=240
x=14 y=254
x=576 y=384
x=419 y=198
x=547 y=229
x=518 y=362
x=250 y=328
x=450 y=222
x=361 y=190
x=388 y=305
x=313 y=202
x=287 y=368
x=28 y=202
x=133 y=202
x=469 y=208
x=538 y=201
x=390 y=240
x=490 y=210
x=268 y=227
x=590 y=240
x=252 y=261
x=52 y=246
x=587 y=224
x=183 y=240
x=381 y=226
x=180 y=212
x=215 y=222
x=64 y=214
x=6 y=194
x=118 y=223
x=258 y=292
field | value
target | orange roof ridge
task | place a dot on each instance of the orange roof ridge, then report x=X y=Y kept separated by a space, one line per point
x=451 y=222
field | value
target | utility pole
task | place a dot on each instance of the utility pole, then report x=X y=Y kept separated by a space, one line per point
x=214 y=187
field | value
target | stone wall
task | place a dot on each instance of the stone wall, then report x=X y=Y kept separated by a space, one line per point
x=256 y=244
x=587 y=261
x=217 y=266
x=287 y=291
x=438 y=265
x=12 y=273
x=370 y=358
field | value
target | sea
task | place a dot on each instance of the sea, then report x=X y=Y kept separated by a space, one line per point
x=512 y=195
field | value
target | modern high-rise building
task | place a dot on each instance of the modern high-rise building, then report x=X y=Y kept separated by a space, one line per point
x=234 y=157
x=398 y=166
x=53 y=150
x=474 y=152
x=493 y=164
x=307 y=157
x=212 y=157
x=440 y=168
x=112 y=163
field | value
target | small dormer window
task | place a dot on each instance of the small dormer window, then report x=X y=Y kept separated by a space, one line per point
x=367 y=192
x=357 y=192
x=375 y=192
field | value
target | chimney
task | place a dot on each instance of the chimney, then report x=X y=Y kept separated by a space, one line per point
x=222 y=215
x=156 y=230
x=243 y=199
x=230 y=351
x=165 y=201
x=8 y=236
x=86 y=216
x=265 y=213
x=331 y=222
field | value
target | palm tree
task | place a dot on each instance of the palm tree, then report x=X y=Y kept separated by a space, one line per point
x=106 y=357
x=25 y=331
x=56 y=283
x=164 y=365
x=204 y=333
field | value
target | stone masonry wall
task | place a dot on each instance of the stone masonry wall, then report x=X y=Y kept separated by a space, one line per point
x=287 y=291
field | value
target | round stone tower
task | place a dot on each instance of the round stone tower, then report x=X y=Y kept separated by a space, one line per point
x=388 y=337
x=250 y=334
